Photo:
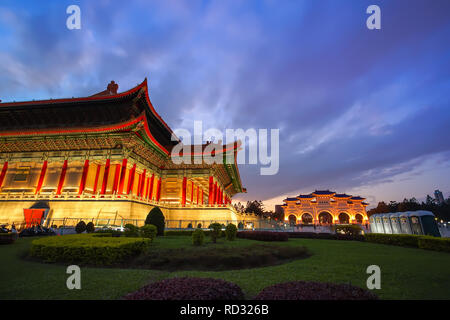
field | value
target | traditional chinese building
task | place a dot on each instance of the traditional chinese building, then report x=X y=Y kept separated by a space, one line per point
x=107 y=156
x=325 y=207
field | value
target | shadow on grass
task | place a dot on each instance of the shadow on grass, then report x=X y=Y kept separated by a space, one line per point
x=212 y=258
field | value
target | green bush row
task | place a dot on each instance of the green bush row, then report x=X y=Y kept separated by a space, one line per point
x=434 y=243
x=405 y=240
x=411 y=240
x=88 y=249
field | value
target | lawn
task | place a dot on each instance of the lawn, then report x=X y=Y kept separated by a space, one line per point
x=406 y=273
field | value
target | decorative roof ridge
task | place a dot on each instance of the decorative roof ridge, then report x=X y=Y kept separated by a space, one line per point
x=96 y=97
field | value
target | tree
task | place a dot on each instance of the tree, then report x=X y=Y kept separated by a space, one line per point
x=80 y=227
x=256 y=207
x=90 y=227
x=156 y=218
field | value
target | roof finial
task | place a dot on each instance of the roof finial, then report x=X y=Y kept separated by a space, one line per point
x=112 y=87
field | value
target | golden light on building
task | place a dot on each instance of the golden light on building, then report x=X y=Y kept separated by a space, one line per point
x=105 y=156
x=325 y=208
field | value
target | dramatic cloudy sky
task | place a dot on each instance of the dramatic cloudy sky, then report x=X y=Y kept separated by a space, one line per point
x=359 y=111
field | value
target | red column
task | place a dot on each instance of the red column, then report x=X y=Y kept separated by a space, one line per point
x=62 y=176
x=151 y=186
x=139 y=185
x=211 y=191
x=192 y=192
x=202 y=198
x=41 y=177
x=123 y=172
x=97 y=173
x=146 y=188
x=116 y=178
x=131 y=179
x=83 y=176
x=197 y=193
x=2 y=175
x=143 y=182
x=215 y=192
x=183 y=192
x=158 y=190
x=105 y=177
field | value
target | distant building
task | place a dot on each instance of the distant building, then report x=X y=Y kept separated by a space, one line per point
x=439 y=196
x=325 y=208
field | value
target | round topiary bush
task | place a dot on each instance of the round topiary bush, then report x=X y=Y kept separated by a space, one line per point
x=90 y=227
x=149 y=231
x=80 y=227
x=156 y=218
x=309 y=290
x=131 y=231
x=230 y=232
x=216 y=230
x=188 y=289
x=198 y=237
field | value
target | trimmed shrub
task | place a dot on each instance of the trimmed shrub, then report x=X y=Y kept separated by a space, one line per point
x=131 y=231
x=156 y=218
x=405 y=240
x=90 y=227
x=230 y=232
x=149 y=231
x=263 y=235
x=216 y=230
x=80 y=227
x=188 y=289
x=8 y=238
x=434 y=243
x=305 y=290
x=87 y=249
x=198 y=237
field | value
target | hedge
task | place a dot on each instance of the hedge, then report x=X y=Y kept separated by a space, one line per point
x=8 y=238
x=263 y=235
x=327 y=236
x=434 y=243
x=405 y=240
x=87 y=249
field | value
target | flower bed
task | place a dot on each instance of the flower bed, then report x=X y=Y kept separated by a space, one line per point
x=87 y=249
x=303 y=290
x=188 y=289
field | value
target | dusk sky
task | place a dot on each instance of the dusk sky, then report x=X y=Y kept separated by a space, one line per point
x=366 y=112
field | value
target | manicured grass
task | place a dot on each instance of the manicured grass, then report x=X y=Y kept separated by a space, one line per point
x=406 y=273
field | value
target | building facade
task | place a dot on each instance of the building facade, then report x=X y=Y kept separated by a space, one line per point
x=107 y=156
x=325 y=208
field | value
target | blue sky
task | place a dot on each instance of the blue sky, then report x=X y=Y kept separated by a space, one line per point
x=359 y=111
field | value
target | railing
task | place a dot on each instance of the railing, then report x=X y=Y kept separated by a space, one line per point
x=113 y=197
